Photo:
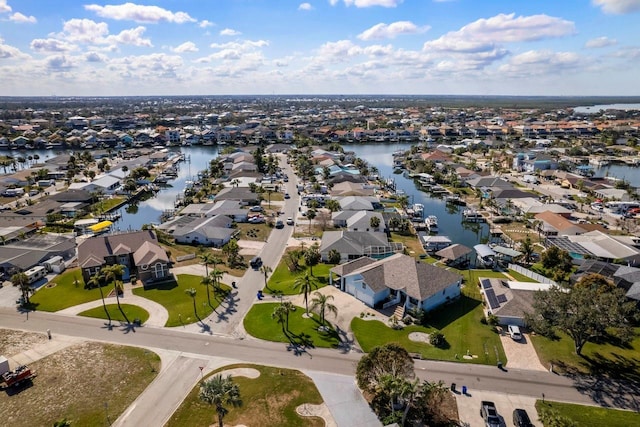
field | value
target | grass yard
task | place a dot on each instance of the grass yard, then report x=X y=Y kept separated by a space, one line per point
x=520 y=277
x=411 y=242
x=172 y=296
x=89 y=384
x=132 y=312
x=302 y=331
x=459 y=321
x=593 y=416
x=282 y=280
x=259 y=232
x=269 y=401
x=62 y=292
x=106 y=204
x=607 y=358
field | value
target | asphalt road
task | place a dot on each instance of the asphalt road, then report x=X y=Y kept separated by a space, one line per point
x=475 y=377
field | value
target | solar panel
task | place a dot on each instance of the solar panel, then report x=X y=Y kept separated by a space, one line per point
x=502 y=298
x=491 y=298
x=486 y=283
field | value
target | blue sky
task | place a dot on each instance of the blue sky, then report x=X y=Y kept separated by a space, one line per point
x=228 y=47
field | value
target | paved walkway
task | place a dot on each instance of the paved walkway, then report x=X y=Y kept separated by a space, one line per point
x=158 y=315
x=40 y=351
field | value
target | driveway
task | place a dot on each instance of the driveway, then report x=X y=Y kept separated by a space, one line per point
x=469 y=407
x=520 y=354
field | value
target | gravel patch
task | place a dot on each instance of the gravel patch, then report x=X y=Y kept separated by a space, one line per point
x=419 y=337
x=14 y=342
x=242 y=372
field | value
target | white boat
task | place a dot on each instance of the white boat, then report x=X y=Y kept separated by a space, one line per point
x=432 y=223
x=471 y=215
x=418 y=210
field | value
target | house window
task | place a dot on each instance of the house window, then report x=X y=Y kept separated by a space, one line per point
x=159 y=270
x=364 y=286
x=144 y=266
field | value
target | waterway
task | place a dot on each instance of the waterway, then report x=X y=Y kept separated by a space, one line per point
x=595 y=109
x=449 y=217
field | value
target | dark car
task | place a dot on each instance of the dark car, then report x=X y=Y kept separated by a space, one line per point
x=521 y=418
x=287 y=196
x=255 y=262
x=279 y=224
x=489 y=413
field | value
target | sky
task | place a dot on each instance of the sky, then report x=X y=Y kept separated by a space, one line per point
x=277 y=47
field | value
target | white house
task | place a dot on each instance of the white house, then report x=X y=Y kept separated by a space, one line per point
x=398 y=279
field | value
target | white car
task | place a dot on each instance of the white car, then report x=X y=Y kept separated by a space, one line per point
x=289 y=221
x=514 y=332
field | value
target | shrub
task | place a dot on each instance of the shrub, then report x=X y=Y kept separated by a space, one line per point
x=437 y=339
x=407 y=320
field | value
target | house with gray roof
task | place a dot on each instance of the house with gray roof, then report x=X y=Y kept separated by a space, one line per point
x=139 y=252
x=238 y=194
x=358 y=203
x=397 y=280
x=357 y=220
x=208 y=231
x=355 y=244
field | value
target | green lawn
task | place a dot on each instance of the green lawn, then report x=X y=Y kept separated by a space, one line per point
x=258 y=323
x=132 y=312
x=269 y=401
x=282 y=279
x=259 y=232
x=458 y=321
x=65 y=293
x=172 y=296
x=607 y=357
x=592 y=416
x=411 y=242
x=520 y=277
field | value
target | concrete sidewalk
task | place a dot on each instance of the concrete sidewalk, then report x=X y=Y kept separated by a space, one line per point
x=345 y=402
x=158 y=315
x=40 y=351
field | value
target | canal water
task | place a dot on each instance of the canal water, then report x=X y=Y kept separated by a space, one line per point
x=450 y=222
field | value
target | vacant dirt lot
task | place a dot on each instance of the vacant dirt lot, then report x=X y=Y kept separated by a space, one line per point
x=14 y=342
x=89 y=384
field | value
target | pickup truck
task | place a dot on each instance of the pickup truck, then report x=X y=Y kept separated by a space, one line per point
x=489 y=414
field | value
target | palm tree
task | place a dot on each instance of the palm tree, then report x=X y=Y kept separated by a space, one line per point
x=322 y=301
x=287 y=307
x=305 y=284
x=22 y=281
x=280 y=315
x=219 y=392
x=95 y=281
x=192 y=293
x=265 y=270
x=374 y=222
x=403 y=201
x=527 y=249
x=311 y=214
x=207 y=281
x=206 y=259
x=216 y=277
x=312 y=257
x=111 y=274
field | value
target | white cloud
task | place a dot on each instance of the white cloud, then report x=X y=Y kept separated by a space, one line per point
x=59 y=63
x=7 y=51
x=368 y=3
x=484 y=34
x=229 y=32
x=390 y=31
x=600 y=42
x=618 y=6
x=542 y=62
x=185 y=47
x=51 y=45
x=204 y=24
x=305 y=6
x=132 y=37
x=85 y=30
x=339 y=51
x=22 y=19
x=139 y=13
x=233 y=51
x=243 y=45
x=4 y=7
x=95 y=57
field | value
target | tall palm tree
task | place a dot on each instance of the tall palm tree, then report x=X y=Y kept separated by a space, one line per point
x=216 y=277
x=22 y=281
x=206 y=259
x=207 y=281
x=111 y=274
x=265 y=270
x=280 y=315
x=220 y=392
x=95 y=281
x=321 y=301
x=306 y=284
x=192 y=292
x=312 y=257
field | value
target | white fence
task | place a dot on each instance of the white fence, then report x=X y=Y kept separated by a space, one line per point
x=531 y=274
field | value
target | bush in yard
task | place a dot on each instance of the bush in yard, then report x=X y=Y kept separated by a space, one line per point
x=437 y=339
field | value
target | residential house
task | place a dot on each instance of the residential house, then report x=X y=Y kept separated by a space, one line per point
x=139 y=252
x=208 y=231
x=29 y=252
x=238 y=194
x=398 y=280
x=598 y=245
x=509 y=301
x=357 y=220
x=553 y=224
x=354 y=244
x=357 y=203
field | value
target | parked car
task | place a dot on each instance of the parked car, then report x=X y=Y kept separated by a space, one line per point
x=489 y=414
x=289 y=221
x=514 y=332
x=287 y=196
x=279 y=224
x=521 y=418
x=255 y=262
x=256 y=208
